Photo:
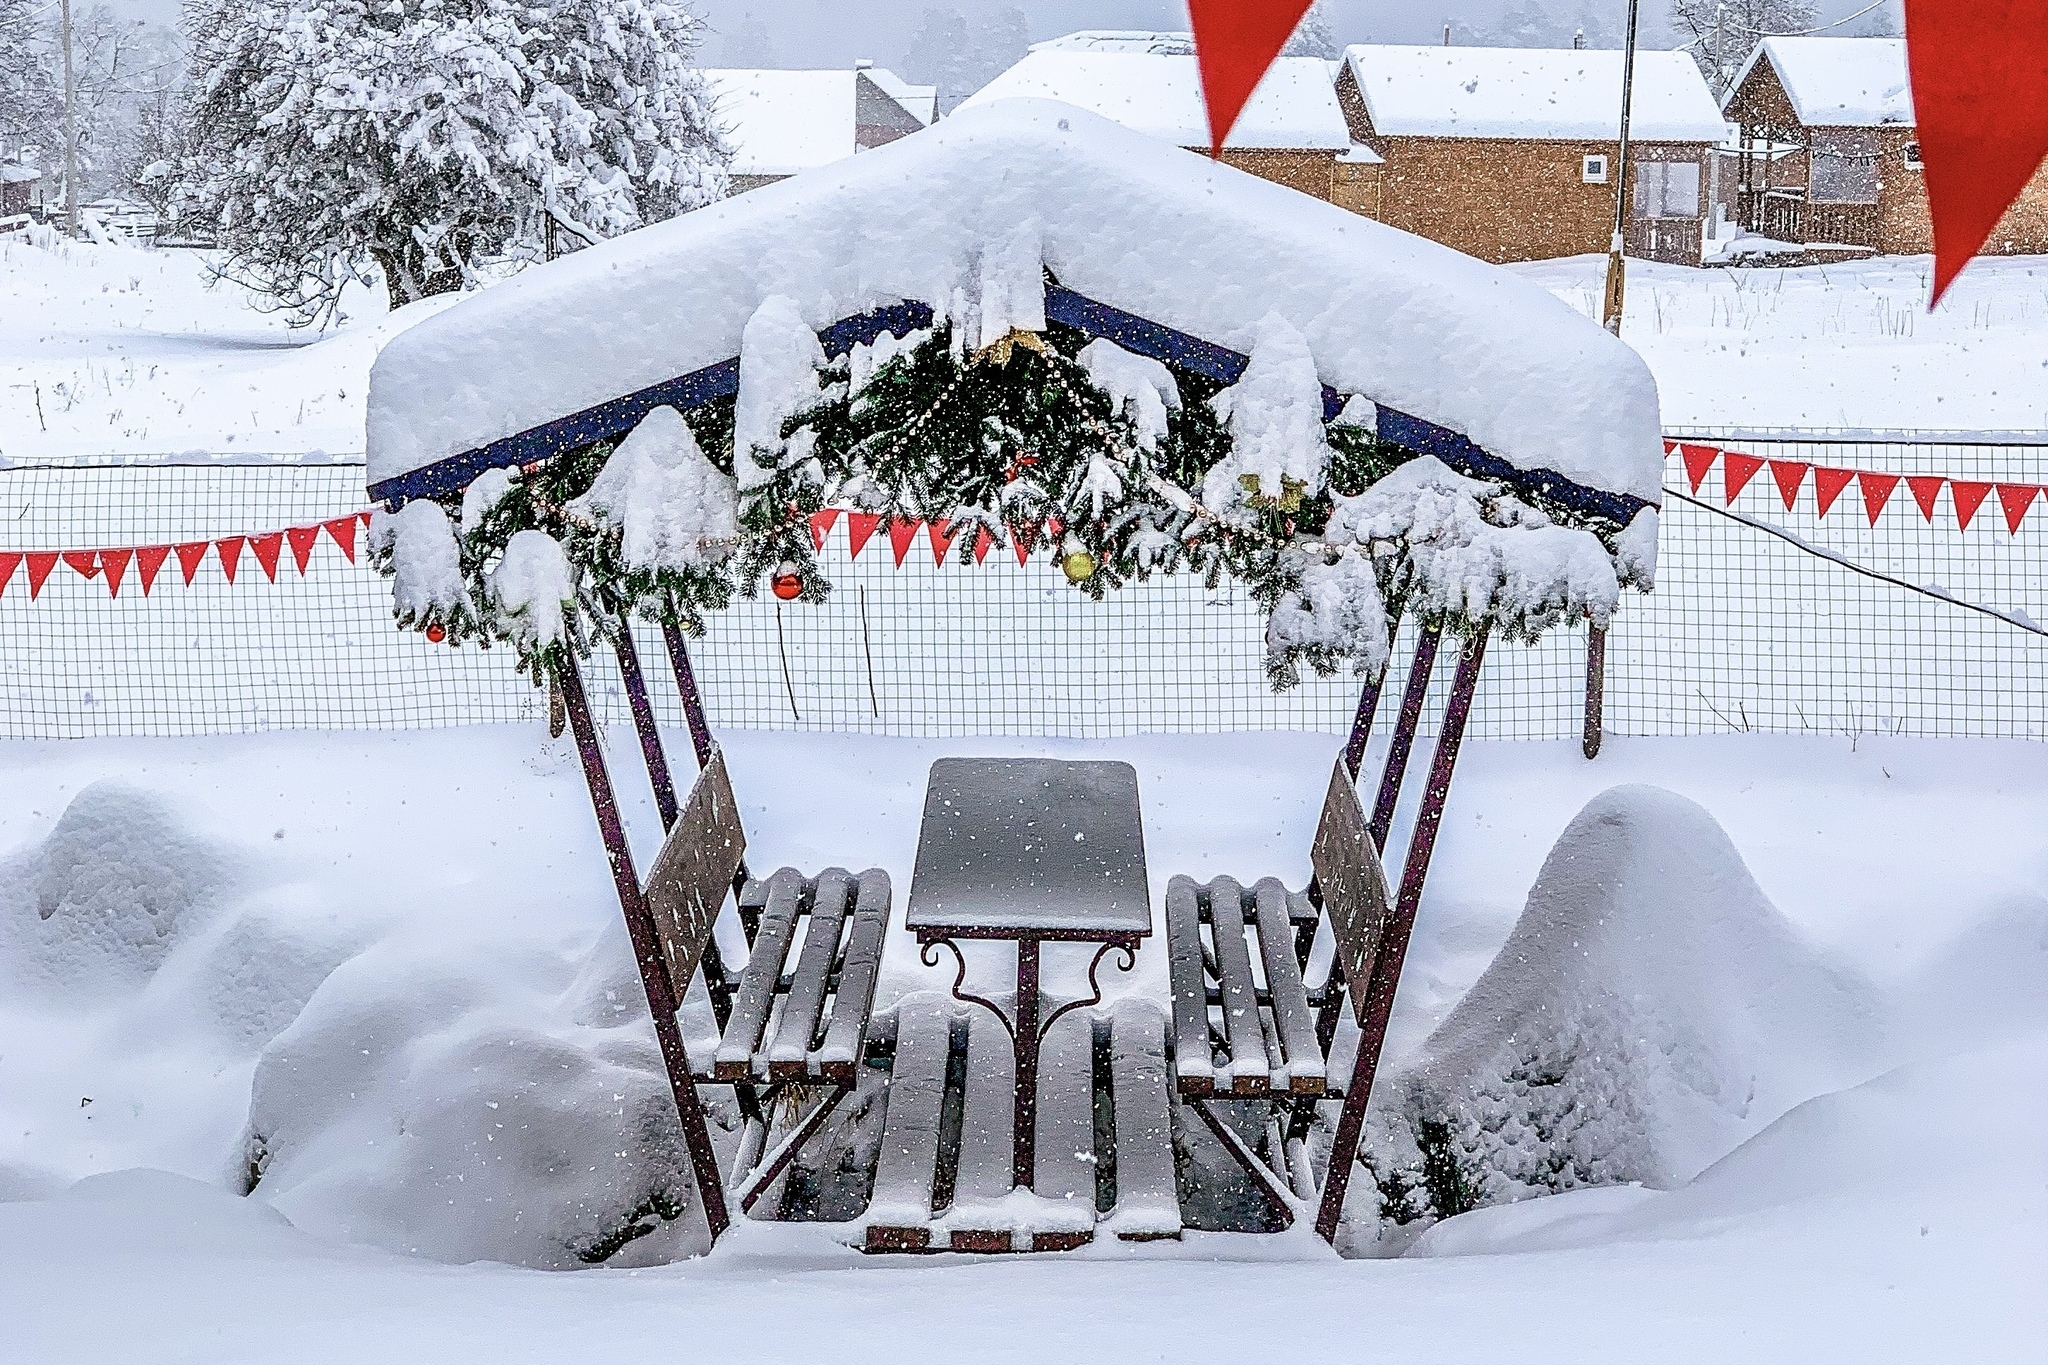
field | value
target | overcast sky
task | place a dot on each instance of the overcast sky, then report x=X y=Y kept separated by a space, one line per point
x=835 y=32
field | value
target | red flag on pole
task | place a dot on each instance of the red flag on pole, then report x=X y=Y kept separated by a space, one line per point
x=1980 y=99
x=1235 y=42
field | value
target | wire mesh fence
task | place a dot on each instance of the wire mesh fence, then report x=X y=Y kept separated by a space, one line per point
x=1745 y=631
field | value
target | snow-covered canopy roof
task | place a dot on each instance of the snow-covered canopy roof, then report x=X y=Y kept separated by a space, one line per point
x=783 y=122
x=1840 y=82
x=1180 y=44
x=1522 y=92
x=1295 y=106
x=1169 y=253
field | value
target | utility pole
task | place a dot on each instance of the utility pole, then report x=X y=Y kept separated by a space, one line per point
x=70 y=132
x=1617 y=270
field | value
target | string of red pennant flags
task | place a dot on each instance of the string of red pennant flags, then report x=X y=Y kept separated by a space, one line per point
x=862 y=526
x=148 y=560
x=1829 y=483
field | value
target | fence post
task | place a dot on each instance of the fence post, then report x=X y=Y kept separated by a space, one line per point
x=1596 y=688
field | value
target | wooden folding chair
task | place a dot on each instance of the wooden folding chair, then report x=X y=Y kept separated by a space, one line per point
x=1247 y=1025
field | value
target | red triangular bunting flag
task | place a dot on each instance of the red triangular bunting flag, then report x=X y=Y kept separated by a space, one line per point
x=860 y=528
x=941 y=533
x=1926 y=488
x=148 y=560
x=821 y=526
x=8 y=559
x=39 y=566
x=1968 y=498
x=342 y=530
x=983 y=543
x=1789 y=475
x=86 y=562
x=1736 y=472
x=901 y=533
x=1877 y=491
x=301 y=539
x=114 y=563
x=230 y=551
x=189 y=555
x=1980 y=101
x=366 y=517
x=1235 y=42
x=1698 y=460
x=2015 y=498
x=267 y=547
x=1670 y=447
x=1828 y=485
x=1020 y=541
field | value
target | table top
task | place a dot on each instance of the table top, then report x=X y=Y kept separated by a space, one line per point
x=1030 y=848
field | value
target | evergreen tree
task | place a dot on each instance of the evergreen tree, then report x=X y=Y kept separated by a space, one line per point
x=1313 y=37
x=960 y=57
x=749 y=46
x=434 y=137
x=1720 y=34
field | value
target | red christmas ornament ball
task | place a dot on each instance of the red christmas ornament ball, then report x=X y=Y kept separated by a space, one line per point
x=787 y=586
x=436 y=633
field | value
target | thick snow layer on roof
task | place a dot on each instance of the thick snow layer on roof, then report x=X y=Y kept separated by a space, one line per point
x=1522 y=92
x=921 y=100
x=1161 y=233
x=1161 y=96
x=1179 y=44
x=782 y=122
x=1841 y=82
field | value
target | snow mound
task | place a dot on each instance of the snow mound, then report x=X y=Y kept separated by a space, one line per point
x=673 y=507
x=103 y=900
x=477 y=1102
x=1650 y=1011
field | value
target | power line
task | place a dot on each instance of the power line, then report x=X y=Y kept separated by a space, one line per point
x=1818 y=551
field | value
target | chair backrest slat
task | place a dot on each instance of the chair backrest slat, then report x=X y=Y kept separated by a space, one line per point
x=693 y=875
x=1353 y=884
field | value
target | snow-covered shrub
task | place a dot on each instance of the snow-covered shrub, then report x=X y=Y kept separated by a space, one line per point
x=100 y=904
x=1650 y=1011
x=434 y=138
x=471 y=1102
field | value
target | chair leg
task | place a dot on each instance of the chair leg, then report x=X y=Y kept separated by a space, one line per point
x=771 y=1166
x=1386 y=970
x=1396 y=771
x=661 y=996
x=1277 y=1194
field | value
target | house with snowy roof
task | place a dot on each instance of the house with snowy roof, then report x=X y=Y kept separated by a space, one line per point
x=17 y=188
x=780 y=123
x=1509 y=154
x=1291 y=133
x=1830 y=157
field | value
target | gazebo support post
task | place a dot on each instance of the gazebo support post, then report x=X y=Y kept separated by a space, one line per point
x=1412 y=696
x=1596 y=688
x=1386 y=968
x=661 y=992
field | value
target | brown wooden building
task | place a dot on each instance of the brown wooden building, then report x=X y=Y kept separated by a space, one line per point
x=1508 y=154
x=1291 y=132
x=1830 y=158
x=781 y=123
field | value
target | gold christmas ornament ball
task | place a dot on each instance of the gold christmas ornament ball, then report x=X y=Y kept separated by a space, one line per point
x=1078 y=565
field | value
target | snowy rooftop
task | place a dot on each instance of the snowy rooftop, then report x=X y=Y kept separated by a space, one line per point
x=1173 y=44
x=1295 y=106
x=14 y=173
x=1162 y=234
x=1518 y=92
x=1841 y=82
x=782 y=122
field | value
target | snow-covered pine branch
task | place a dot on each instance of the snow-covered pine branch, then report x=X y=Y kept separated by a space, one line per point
x=432 y=139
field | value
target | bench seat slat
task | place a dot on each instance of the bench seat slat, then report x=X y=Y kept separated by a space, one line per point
x=854 y=1002
x=1066 y=1136
x=1302 y=1067
x=900 y=1209
x=756 y=995
x=1250 y=1073
x=1147 y=1197
x=1193 y=1061
x=788 y=1055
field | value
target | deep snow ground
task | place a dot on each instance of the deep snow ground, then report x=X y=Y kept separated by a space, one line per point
x=1900 y=1220
x=130 y=351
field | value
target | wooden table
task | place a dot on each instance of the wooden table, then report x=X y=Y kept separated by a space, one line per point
x=1034 y=850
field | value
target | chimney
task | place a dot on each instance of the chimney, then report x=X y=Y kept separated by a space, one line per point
x=864 y=64
x=1447 y=33
x=1579 y=40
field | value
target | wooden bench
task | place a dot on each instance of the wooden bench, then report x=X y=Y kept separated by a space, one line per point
x=1246 y=1024
x=805 y=998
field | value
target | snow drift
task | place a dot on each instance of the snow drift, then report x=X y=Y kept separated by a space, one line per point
x=1650 y=1011
x=959 y=217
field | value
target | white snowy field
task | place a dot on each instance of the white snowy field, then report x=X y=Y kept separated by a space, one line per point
x=1898 y=1214
x=1850 y=345
x=117 y=350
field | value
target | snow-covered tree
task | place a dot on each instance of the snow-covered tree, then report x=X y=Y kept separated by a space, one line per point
x=28 y=89
x=749 y=45
x=1720 y=34
x=1313 y=36
x=960 y=56
x=434 y=137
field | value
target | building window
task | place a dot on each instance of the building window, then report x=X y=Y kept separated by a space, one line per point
x=1844 y=166
x=1593 y=170
x=1667 y=189
x=1911 y=155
